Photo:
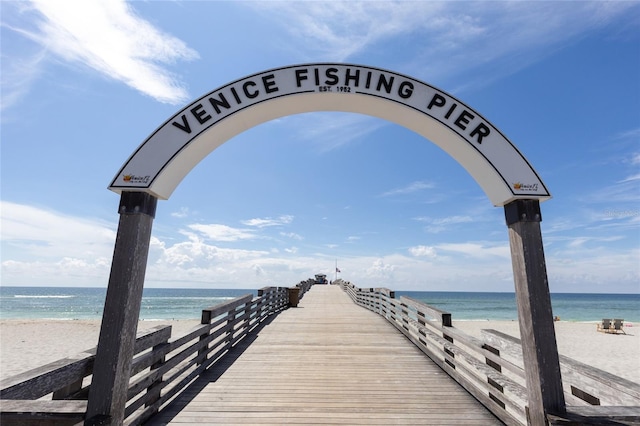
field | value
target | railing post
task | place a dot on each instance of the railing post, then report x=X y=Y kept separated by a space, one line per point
x=539 y=347
x=260 y=305
x=405 y=315
x=493 y=383
x=283 y=298
x=231 y=319
x=68 y=390
x=446 y=322
x=154 y=390
x=273 y=294
x=202 y=352
x=108 y=392
x=294 y=296
x=247 y=317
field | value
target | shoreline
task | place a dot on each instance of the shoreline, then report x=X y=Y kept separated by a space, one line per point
x=22 y=341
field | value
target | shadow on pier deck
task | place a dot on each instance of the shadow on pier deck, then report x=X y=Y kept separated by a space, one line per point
x=326 y=362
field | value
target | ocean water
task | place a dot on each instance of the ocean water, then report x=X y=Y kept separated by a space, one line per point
x=581 y=307
x=88 y=303
x=165 y=304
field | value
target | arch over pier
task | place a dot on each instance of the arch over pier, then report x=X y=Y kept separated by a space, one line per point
x=167 y=156
x=160 y=163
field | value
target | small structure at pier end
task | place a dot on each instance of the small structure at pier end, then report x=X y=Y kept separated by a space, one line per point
x=321 y=279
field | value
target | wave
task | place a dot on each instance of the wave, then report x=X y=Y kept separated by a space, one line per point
x=29 y=296
x=190 y=297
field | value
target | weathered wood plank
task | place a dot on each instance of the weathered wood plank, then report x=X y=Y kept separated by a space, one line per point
x=29 y=412
x=211 y=313
x=439 y=315
x=597 y=415
x=43 y=380
x=326 y=362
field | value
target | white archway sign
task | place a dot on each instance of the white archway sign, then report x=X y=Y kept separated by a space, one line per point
x=167 y=156
x=156 y=168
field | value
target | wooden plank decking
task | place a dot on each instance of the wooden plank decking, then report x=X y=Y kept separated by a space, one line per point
x=326 y=362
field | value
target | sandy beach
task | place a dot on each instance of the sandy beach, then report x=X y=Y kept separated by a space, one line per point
x=27 y=344
x=617 y=354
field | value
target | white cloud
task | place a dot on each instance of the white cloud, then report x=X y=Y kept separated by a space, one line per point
x=17 y=77
x=457 y=37
x=442 y=224
x=108 y=36
x=48 y=234
x=342 y=29
x=423 y=251
x=477 y=250
x=580 y=241
x=218 y=232
x=452 y=220
x=631 y=178
x=292 y=235
x=265 y=222
x=63 y=272
x=197 y=253
x=580 y=269
x=633 y=135
x=43 y=247
x=181 y=213
x=258 y=270
x=619 y=195
x=409 y=189
x=329 y=131
x=380 y=270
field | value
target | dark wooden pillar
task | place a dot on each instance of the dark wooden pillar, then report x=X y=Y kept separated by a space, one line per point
x=539 y=347
x=108 y=392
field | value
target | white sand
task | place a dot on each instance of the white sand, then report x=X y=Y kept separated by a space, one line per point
x=617 y=354
x=27 y=344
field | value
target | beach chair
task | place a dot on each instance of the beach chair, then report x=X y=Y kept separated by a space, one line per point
x=618 y=325
x=605 y=325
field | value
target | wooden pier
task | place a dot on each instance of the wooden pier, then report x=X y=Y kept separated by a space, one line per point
x=317 y=354
x=328 y=361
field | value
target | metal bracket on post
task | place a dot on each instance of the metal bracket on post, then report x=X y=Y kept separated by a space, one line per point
x=138 y=203
x=109 y=386
x=522 y=211
x=539 y=347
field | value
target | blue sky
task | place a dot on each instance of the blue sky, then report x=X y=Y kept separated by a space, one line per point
x=84 y=83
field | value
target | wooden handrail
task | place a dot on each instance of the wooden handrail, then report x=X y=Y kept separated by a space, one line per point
x=579 y=378
x=491 y=368
x=162 y=367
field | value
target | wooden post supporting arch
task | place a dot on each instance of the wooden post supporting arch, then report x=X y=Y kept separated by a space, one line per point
x=160 y=163
x=537 y=332
x=110 y=383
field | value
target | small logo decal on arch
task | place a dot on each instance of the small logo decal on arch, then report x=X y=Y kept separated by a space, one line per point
x=519 y=186
x=136 y=179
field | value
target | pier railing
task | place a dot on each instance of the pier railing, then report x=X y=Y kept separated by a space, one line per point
x=162 y=367
x=491 y=368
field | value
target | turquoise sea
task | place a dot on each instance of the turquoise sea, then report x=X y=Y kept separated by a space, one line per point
x=162 y=304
